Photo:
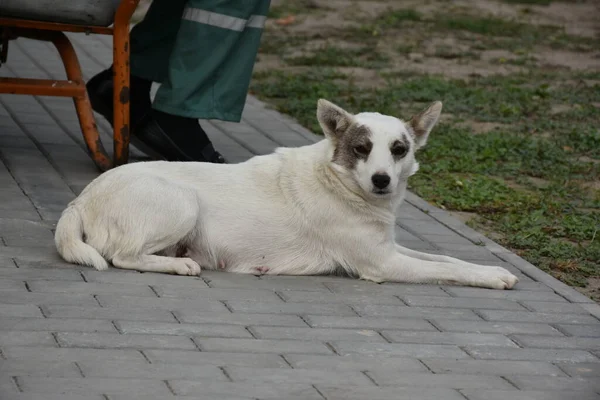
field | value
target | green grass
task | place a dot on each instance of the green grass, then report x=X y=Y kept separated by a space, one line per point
x=293 y=8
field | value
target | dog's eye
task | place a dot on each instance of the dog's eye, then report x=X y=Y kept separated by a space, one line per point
x=399 y=150
x=362 y=150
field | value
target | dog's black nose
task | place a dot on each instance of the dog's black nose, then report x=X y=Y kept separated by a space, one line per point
x=380 y=181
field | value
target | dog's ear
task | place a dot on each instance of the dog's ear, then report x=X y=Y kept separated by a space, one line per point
x=423 y=122
x=333 y=119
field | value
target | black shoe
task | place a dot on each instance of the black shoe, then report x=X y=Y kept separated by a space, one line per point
x=157 y=143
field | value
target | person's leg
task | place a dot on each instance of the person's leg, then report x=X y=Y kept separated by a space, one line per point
x=151 y=42
x=209 y=71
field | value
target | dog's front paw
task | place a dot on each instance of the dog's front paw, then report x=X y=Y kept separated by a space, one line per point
x=496 y=278
x=186 y=266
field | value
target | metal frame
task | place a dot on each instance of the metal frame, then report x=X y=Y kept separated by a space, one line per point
x=74 y=86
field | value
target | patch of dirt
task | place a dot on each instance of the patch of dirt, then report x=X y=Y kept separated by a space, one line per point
x=560 y=108
x=592 y=290
x=539 y=182
x=363 y=77
x=481 y=127
x=594 y=185
x=569 y=59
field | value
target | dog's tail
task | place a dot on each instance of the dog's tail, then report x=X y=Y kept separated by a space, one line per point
x=69 y=241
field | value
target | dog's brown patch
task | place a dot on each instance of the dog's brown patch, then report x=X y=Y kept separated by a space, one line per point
x=353 y=145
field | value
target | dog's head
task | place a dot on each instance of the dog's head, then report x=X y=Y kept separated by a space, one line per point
x=373 y=151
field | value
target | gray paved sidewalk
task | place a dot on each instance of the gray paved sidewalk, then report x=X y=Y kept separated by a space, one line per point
x=69 y=332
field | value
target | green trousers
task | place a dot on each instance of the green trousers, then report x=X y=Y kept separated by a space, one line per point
x=202 y=52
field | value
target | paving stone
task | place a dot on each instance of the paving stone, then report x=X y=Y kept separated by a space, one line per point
x=145 y=278
x=90 y=288
x=56 y=264
x=438 y=381
x=20 y=232
x=133 y=314
x=504 y=328
x=550 y=355
x=505 y=294
x=387 y=393
x=350 y=286
x=114 y=301
x=323 y=334
x=481 y=394
x=552 y=342
x=354 y=362
x=414 y=324
x=260 y=390
x=557 y=383
x=55 y=325
x=19 y=310
x=34 y=354
x=492 y=367
x=85 y=386
x=246 y=281
x=402 y=236
x=286 y=376
x=128 y=369
x=580 y=330
x=262 y=346
x=27 y=339
x=458 y=339
x=584 y=370
x=432 y=301
x=331 y=298
x=289 y=308
x=222 y=359
x=196 y=397
x=414 y=312
x=12 y=285
x=48 y=298
x=447 y=241
x=48 y=396
x=157 y=328
x=554 y=307
x=547 y=318
x=39 y=368
x=260 y=295
x=8 y=387
x=243 y=319
x=420 y=351
x=474 y=255
x=29 y=275
x=117 y=341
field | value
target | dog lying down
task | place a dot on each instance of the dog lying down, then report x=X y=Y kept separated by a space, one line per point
x=324 y=208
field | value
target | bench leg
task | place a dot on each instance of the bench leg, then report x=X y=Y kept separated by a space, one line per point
x=82 y=102
x=121 y=51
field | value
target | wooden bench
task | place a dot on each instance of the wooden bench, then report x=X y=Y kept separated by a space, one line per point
x=48 y=20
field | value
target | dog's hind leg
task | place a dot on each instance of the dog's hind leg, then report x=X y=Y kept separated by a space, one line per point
x=153 y=263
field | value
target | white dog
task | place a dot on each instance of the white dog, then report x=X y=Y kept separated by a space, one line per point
x=324 y=208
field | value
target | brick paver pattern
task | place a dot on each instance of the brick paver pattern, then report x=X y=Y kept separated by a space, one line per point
x=69 y=332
